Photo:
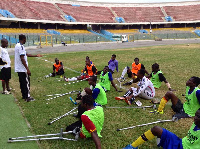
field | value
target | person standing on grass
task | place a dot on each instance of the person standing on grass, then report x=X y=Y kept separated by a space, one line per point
x=5 y=69
x=106 y=79
x=113 y=64
x=169 y=140
x=192 y=98
x=21 y=67
x=91 y=122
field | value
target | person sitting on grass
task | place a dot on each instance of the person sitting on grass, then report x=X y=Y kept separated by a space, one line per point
x=90 y=70
x=145 y=89
x=6 y=68
x=91 y=122
x=157 y=77
x=106 y=79
x=132 y=73
x=169 y=140
x=113 y=64
x=58 y=68
x=192 y=98
x=97 y=92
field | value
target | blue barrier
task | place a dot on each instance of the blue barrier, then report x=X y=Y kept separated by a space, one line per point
x=106 y=33
x=168 y=18
x=119 y=19
x=104 y=36
x=70 y=18
x=143 y=31
x=12 y=40
x=75 y=5
x=197 y=32
x=53 y=32
x=6 y=13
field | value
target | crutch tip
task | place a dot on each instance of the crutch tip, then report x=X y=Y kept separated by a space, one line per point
x=118 y=130
x=10 y=139
x=49 y=123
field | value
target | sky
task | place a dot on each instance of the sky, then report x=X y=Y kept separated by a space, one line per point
x=136 y=1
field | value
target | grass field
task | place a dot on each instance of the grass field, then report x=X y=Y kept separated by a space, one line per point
x=177 y=62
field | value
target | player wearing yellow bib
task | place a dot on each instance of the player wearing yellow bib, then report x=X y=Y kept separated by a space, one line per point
x=169 y=140
x=106 y=79
x=192 y=98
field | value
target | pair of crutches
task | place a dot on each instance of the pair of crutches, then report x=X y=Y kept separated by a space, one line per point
x=56 y=136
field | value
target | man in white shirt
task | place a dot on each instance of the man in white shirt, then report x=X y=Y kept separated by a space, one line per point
x=5 y=69
x=144 y=90
x=21 y=67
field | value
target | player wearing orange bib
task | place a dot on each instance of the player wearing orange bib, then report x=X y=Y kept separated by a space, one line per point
x=58 y=68
x=132 y=73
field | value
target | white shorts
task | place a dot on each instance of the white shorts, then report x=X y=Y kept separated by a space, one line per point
x=144 y=94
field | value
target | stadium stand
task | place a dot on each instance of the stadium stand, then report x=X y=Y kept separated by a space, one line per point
x=121 y=31
x=88 y=13
x=31 y=10
x=22 y=31
x=139 y=14
x=62 y=31
x=183 y=13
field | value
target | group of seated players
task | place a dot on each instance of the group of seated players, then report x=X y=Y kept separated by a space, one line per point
x=91 y=115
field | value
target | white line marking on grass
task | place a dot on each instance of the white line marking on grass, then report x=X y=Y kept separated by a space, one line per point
x=64 y=66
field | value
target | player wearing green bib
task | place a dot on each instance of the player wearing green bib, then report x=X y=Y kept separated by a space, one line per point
x=106 y=79
x=97 y=92
x=169 y=140
x=192 y=98
x=157 y=77
x=92 y=120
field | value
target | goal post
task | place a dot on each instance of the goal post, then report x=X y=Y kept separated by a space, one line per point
x=131 y=37
x=46 y=40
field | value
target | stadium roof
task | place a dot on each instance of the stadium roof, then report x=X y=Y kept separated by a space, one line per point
x=135 y=1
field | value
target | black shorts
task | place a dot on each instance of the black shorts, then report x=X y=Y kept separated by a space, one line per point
x=178 y=107
x=6 y=74
x=180 y=112
x=129 y=74
x=60 y=72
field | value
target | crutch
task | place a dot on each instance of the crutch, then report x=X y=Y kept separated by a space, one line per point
x=70 y=82
x=174 y=119
x=60 y=95
x=58 y=118
x=45 y=77
x=142 y=107
x=57 y=136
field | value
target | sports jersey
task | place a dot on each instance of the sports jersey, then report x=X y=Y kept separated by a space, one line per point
x=192 y=140
x=5 y=57
x=144 y=84
x=192 y=103
x=92 y=120
x=101 y=98
x=91 y=70
x=157 y=79
x=57 y=66
x=113 y=64
x=20 y=50
x=135 y=68
x=105 y=80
